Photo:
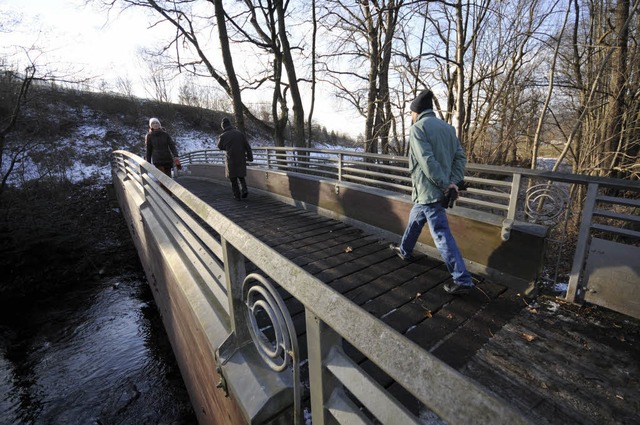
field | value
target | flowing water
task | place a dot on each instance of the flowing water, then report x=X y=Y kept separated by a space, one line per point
x=96 y=354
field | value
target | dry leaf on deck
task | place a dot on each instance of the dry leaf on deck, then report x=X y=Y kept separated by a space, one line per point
x=529 y=337
x=428 y=314
x=348 y=249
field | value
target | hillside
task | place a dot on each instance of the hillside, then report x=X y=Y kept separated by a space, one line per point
x=58 y=222
x=73 y=133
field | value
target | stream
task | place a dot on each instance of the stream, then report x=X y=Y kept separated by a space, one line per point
x=95 y=354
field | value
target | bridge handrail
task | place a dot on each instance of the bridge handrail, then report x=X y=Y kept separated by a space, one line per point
x=330 y=317
x=495 y=190
x=270 y=157
x=513 y=195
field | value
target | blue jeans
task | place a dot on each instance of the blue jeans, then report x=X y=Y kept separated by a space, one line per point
x=436 y=217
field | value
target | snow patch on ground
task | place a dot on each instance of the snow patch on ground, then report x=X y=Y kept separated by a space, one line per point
x=85 y=152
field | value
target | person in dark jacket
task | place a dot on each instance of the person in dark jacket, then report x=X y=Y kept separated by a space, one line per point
x=161 y=149
x=237 y=154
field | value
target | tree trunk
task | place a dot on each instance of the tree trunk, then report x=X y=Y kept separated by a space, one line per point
x=234 y=86
x=289 y=65
x=460 y=48
x=371 y=141
x=614 y=136
x=313 y=73
x=545 y=107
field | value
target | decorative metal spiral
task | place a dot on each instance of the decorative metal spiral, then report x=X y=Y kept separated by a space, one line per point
x=282 y=351
x=546 y=202
x=261 y=296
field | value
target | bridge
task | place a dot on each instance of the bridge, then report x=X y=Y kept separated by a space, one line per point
x=289 y=306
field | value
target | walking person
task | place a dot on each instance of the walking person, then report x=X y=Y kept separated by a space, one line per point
x=436 y=163
x=161 y=149
x=237 y=154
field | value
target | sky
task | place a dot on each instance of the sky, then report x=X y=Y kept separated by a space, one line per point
x=81 y=41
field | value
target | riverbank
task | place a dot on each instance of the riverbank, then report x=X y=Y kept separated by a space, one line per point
x=57 y=233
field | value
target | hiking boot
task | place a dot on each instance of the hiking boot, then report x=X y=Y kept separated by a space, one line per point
x=395 y=248
x=245 y=193
x=457 y=289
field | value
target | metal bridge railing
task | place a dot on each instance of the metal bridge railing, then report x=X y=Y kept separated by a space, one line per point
x=216 y=250
x=552 y=199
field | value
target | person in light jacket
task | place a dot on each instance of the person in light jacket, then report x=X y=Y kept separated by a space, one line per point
x=161 y=149
x=436 y=163
x=237 y=154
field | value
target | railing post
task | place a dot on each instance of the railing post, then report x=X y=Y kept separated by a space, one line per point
x=142 y=171
x=235 y=273
x=320 y=340
x=340 y=159
x=122 y=166
x=507 y=224
x=574 y=289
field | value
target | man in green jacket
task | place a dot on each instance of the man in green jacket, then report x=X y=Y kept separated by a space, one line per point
x=436 y=162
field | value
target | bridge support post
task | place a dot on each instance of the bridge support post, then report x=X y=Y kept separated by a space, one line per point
x=235 y=274
x=574 y=290
x=320 y=340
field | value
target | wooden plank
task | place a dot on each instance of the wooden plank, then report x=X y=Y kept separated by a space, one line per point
x=567 y=371
x=395 y=288
x=343 y=263
x=462 y=344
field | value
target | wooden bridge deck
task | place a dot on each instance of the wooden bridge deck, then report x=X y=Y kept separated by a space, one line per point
x=556 y=365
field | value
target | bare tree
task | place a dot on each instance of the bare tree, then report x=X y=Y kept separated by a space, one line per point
x=547 y=101
x=125 y=86
x=189 y=54
x=366 y=35
x=507 y=74
x=617 y=93
x=314 y=35
x=603 y=135
x=157 y=83
x=266 y=31
x=234 y=86
x=16 y=90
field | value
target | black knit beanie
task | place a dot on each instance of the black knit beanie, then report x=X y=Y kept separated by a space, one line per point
x=422 y=102
x=226 y=123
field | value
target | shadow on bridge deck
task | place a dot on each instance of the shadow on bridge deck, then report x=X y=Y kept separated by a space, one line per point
x=556 y=366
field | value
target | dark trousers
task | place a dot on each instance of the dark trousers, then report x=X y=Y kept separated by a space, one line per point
x=165 y=168
x=236 y=189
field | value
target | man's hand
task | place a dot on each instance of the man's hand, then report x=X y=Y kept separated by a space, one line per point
x=450 y=196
